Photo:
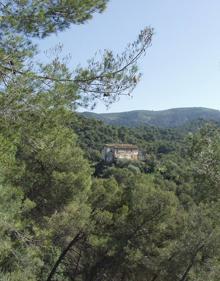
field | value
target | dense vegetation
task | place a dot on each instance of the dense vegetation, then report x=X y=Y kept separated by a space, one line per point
x=164 y=119
x=64 y=214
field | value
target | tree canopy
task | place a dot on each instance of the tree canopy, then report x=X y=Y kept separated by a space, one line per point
x=64 y=213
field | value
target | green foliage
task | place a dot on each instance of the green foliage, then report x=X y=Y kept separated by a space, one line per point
x=128 y=216
x=41 y=18
x=205 y=153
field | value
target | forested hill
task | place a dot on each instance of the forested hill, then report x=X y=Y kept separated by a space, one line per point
x=165 y=118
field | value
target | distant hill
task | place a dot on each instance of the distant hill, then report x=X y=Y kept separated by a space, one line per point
x=170 y=118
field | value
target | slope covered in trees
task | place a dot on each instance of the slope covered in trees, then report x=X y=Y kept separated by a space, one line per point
x=164 y=119
x=178 y=164
x=94 y=134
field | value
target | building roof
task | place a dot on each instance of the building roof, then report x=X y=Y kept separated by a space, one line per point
x=122 y=145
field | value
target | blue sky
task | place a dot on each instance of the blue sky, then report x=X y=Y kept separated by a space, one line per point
x=181 y=68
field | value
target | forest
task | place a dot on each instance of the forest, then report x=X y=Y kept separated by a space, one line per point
x=65 y=214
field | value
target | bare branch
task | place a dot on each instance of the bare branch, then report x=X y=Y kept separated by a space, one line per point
x=78 y=237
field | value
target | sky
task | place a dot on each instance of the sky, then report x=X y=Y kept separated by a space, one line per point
x=180 y=69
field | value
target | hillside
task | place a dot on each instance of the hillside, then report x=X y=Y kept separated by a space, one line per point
x=170 y=118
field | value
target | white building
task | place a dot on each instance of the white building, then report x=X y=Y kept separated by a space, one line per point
x=112 y=152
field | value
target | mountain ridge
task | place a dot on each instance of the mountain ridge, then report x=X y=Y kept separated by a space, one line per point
x=168 y=118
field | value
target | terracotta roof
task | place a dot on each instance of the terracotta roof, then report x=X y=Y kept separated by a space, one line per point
x=122 y=145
